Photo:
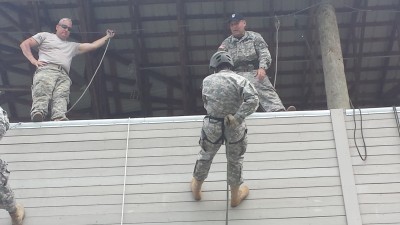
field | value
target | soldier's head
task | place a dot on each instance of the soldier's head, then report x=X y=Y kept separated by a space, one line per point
x=237 y=24
x=4 y=123
x=221 y=60
x=63 y=28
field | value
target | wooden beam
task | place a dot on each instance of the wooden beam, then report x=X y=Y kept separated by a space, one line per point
x=354 y=89
x=183 y=58
x=311 y=70
x=389 y=48
x=143 y=85
x=97 y=89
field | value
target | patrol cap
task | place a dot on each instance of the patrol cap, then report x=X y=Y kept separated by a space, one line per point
x=235 y=17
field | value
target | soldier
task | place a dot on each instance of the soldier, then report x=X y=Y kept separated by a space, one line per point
x=7 y=200
x=252 y=59
x=51 y=82
x=228 y=99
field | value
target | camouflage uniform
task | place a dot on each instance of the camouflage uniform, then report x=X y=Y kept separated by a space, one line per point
x=7 y=200
x=249 y=54
x=225 y=93
x=50 y=86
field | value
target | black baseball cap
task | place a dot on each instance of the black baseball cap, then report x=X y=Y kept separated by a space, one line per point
x=235 y=17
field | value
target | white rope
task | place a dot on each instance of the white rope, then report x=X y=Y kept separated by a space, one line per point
x=126 y=166
x=277 y=25
x=95 y=72
x=227 y=197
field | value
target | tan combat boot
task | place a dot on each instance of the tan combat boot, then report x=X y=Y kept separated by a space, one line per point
x=18 y=215
x=196 y=189
x=238 y=193
x=291 y=108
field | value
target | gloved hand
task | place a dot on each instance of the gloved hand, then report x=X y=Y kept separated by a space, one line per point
x=231 y=121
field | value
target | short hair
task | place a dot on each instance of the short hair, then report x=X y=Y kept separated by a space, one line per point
x=64 y=19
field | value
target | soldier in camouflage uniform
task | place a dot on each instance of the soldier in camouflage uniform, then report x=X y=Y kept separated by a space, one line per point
x=7 y=200
x=228 y=98
x=51 y=83
x=252 y=59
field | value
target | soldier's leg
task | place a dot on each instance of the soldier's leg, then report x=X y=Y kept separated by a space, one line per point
x=61 y=98
x=7 y=200
x=210 y=142
x=42 y=90
x=269 y=99
x=236 y=147
x=235 y=150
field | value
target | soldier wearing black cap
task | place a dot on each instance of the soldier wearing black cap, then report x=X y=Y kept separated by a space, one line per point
x=252 y=58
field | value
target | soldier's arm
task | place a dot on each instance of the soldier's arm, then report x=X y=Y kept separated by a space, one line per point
x=87 y=47
x=26 y=47
x=223 y=46
x=250 y=101
x=264 y=56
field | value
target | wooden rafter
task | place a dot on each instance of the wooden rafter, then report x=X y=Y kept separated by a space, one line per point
x=139 y=59
x=389 y=48
x=358 y=51
x=184 y=73
x=98 y=98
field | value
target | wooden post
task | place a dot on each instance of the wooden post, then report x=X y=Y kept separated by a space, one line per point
x=332 y=58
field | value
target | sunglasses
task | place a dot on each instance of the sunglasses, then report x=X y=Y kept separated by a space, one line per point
x=65 y=27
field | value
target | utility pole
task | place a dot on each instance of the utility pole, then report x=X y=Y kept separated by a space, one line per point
x=332 y=58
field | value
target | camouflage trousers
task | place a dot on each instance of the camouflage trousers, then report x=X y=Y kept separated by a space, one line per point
x=269 y=99
x=213 y=135
x=51 y=87
x=7 y=200
x=4 y=123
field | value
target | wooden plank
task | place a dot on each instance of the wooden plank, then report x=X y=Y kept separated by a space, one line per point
x=387 y=218
x=163 y=136
x=380 y=208
x=82 y=129
x=379 y=198
x=100 y=219
x=376 y=159
x=373 y=133
x=116 y=168
x=372 y=124
x=147 y=198
x=266 y=204
x=142 y=179
x=287 y=120
x=377 y=141
x=121 y=144
x=118 y=160
x=243 y=215
x=377 y=169
x=106 y=219
x=377 y=150
x=379 y=188
x=370 y=116
x=63 y=147
x=345 y=166
x=377 y=179
x=254 y=184
x=289 y=128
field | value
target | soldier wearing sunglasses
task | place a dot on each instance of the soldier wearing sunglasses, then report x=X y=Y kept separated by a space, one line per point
x=51 y=83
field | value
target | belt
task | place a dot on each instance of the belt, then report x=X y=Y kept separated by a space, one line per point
x=54 y=66
x=214 y=118
x=246 y=66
